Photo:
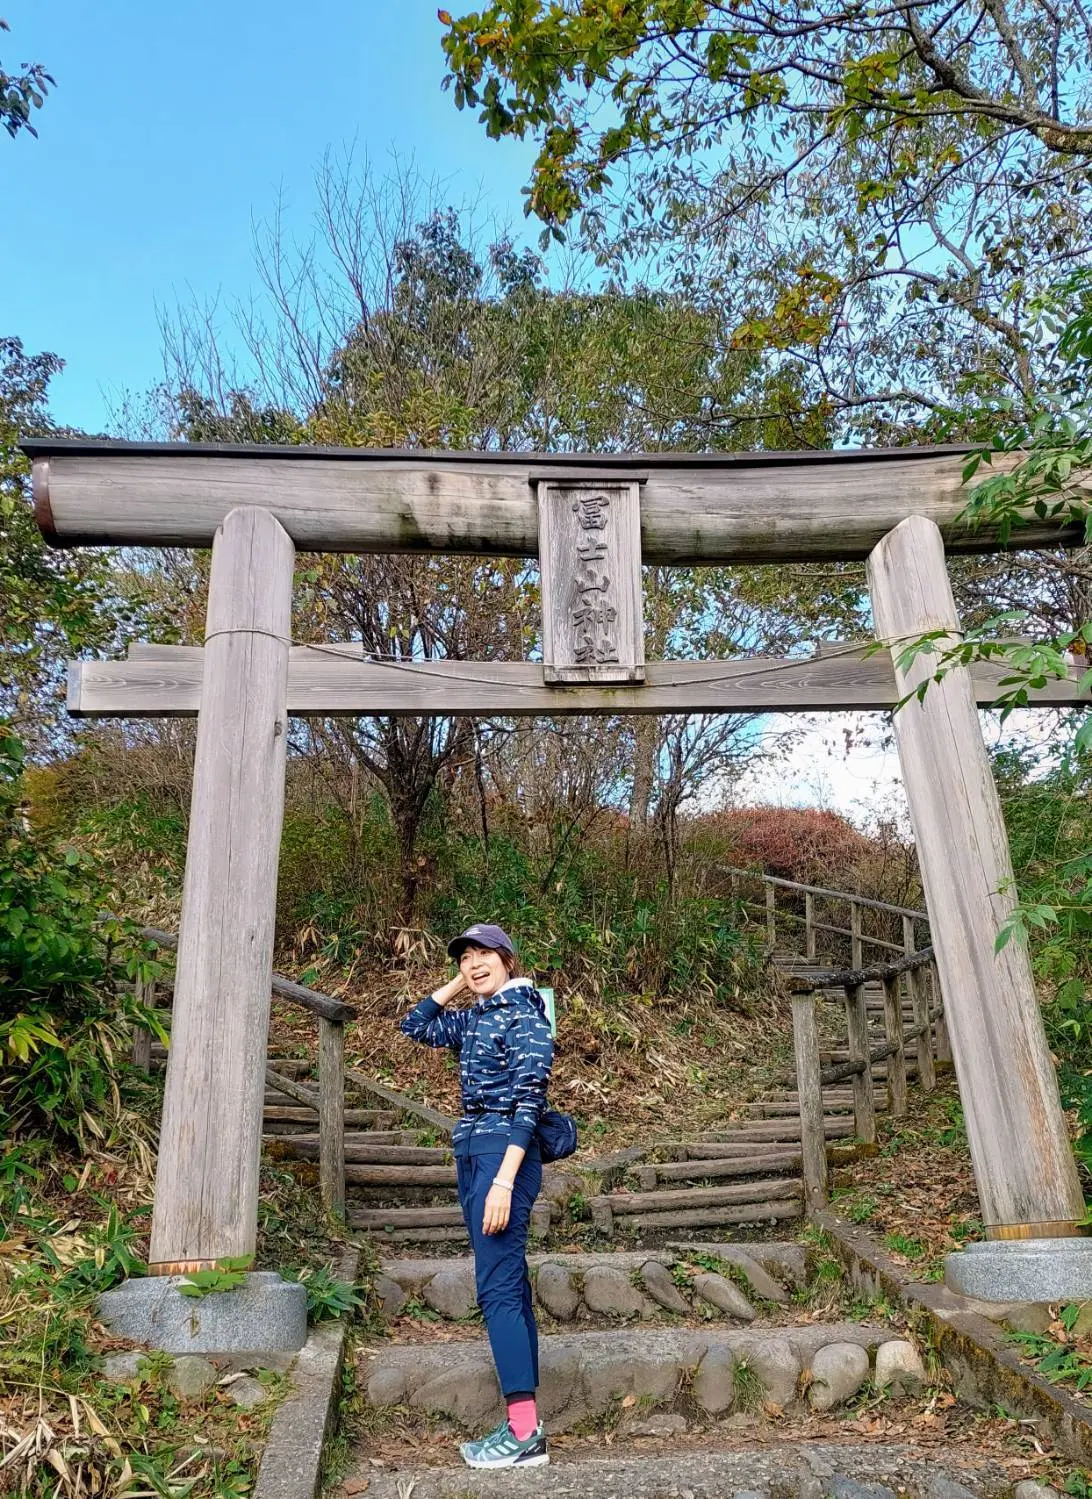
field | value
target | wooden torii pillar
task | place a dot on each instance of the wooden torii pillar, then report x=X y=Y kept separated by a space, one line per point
x=692 y=509
x=206 y=1197
x=1023 y=1164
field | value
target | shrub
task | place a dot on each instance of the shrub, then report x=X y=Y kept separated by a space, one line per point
x=64 y=1001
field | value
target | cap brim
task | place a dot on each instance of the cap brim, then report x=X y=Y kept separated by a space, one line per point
x=458 y=945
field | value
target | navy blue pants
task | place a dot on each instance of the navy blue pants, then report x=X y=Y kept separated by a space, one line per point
x=500 y=1267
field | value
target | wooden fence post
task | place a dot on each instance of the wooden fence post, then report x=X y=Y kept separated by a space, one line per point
x=936 y=997
x=1023 y=1164
x=918 y=984
x=896 y=1062
x=142 y=1037
x=864 y=1102
x=809 y=1089
x=809 y=926
x=206 y=1198
x=771 y=919
x=331 y=1064
x=856 y=945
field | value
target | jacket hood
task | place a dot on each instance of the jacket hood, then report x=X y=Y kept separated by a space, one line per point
x=515 y=992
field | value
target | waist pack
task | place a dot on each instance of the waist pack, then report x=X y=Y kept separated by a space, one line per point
x=556 y=1135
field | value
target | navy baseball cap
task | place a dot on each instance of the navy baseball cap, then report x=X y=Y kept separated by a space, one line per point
x=481 y=935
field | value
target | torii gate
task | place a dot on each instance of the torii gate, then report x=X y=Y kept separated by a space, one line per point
x=593 y=520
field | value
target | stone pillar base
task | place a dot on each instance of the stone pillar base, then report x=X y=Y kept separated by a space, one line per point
x=265 y=1315
x=1022 y=1270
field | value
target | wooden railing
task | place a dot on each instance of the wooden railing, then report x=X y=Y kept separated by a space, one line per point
x=918 y=970
x=859 y=939
x=328 y=1101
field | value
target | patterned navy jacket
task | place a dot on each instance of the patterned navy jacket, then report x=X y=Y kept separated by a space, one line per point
x=505 y=1055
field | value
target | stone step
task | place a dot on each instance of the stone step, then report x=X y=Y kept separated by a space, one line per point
x=583 y=1286
x=582 y=1375
x=784 y=1259
x=810 y=1470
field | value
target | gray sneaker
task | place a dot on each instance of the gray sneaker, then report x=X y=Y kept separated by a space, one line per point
x=502 y=1449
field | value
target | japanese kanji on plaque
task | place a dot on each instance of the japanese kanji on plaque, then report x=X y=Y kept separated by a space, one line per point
x=590 y=554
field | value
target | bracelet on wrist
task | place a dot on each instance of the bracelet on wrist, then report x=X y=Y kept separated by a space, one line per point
x=508 y=1186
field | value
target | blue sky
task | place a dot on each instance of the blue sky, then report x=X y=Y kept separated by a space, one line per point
x=174 y=127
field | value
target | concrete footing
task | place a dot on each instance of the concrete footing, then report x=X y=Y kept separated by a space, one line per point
x=265 y=1315
x=1022 y=1270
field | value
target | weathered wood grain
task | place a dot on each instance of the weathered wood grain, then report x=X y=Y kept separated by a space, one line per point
x=590 y=565
x=165 y=681
x=805 y=1037
x=695 y=508
x=331 y=1067
x=206 y=1198
x=308 y=1097
x=773 y=1189
x=896 y=1066
x=142 y=1037
x=919 y=1000
x=1023 y=1164
x=864 y=1103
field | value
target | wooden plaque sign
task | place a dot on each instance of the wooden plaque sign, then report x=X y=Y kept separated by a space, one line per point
x=590 y=556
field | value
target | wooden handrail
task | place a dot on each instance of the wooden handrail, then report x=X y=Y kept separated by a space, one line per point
x=848 y=977
x=297 y=994
x=822 y=926
x=861 y=900
x=811 y=1078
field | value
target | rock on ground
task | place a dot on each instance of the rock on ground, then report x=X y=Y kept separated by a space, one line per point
x=899 y=1367
x=659 y=1424
x=247 y=1392
x=939 y=1487
x=451 y=1292
x=838 y=1372
x=556 y=1292
x=124 y=1368
x=714 y=1385
x=774 y=1363
x=392 y=1298
x=190 y=1376
x=662 y=1288
x=721 y=1293
x=611 y=1293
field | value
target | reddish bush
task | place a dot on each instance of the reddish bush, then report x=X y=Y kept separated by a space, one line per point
x=812 y=847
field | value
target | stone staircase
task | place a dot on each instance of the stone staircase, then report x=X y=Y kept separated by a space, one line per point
x=657 y=1368
x=679 y=1343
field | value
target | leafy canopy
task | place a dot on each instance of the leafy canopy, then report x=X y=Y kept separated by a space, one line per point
x=22 y=92
x=878 y=188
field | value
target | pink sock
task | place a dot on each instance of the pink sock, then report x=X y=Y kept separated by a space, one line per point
x=523 y=1417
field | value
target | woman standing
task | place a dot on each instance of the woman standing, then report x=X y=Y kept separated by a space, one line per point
x=505 y=1053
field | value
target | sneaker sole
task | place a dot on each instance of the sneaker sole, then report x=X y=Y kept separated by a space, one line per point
x=541 y=1461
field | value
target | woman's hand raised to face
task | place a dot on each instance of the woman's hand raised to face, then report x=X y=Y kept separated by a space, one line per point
x=451 y=990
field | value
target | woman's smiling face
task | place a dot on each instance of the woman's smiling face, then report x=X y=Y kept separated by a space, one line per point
x=483 y=969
